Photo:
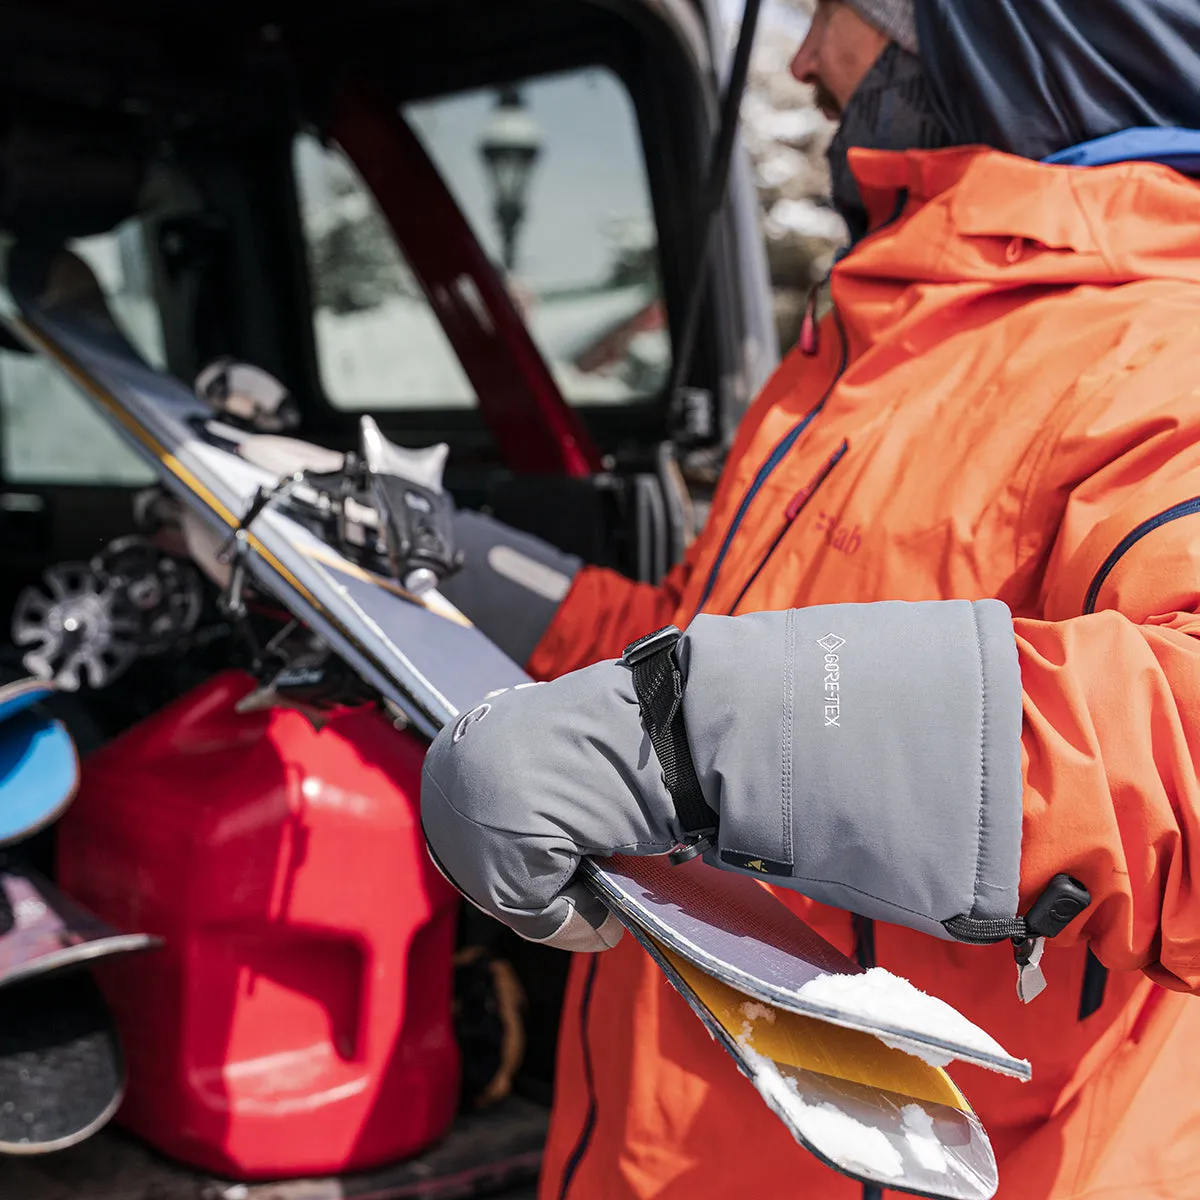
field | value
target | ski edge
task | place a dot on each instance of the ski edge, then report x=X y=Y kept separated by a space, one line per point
x=610 y=893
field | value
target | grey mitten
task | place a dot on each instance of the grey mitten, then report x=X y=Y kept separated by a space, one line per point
x=867 y=755
x=523 y=785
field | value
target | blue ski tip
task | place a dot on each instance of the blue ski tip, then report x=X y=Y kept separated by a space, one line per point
x=16 y=697
x=39 y=774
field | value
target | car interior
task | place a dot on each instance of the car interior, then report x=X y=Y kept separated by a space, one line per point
x=300 y=191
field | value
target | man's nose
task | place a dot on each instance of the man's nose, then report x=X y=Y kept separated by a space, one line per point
x=804 y=63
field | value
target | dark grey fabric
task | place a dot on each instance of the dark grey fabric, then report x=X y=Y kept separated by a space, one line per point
x=892 y=109
x=866 y=755
x=510 y=584
x=1035 y=76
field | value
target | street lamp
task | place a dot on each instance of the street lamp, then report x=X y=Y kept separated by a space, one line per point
x=510 y=147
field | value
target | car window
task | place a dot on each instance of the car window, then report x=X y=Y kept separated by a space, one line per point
x=551 y=176
x=52 y=434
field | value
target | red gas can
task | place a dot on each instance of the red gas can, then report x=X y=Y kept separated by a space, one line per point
x=298 y=1020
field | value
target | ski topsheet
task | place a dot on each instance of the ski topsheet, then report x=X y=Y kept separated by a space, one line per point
x=429 y=666
x=432 y=667
x=43 y=932
x=736 y=931
x=39 y=768
x=39 y=773
x=21 y=694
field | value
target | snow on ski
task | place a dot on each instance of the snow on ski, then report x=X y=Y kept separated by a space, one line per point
x=875 y=1114
x=736 y=931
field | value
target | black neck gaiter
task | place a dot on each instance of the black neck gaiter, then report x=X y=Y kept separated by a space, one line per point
x=892 y=109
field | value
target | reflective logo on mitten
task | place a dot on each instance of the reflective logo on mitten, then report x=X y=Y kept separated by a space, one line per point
x=469 y=719
x=831 y=644
x=477 y=714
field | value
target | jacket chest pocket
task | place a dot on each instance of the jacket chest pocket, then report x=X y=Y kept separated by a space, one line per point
x=775 y=523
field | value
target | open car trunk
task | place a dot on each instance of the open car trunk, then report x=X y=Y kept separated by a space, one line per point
x=325 y=196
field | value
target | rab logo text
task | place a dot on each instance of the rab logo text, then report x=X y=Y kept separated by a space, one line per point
x=831 y=644
x=469 y=719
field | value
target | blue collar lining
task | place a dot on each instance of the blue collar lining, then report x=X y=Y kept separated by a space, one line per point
x=1175 y=148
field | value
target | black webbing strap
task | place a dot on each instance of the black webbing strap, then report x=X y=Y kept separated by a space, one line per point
x=658 y=684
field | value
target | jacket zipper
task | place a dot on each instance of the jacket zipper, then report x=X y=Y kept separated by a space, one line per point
x=767 y=469
x=1186 y=509
x=810 y=346
x=796 y=506
x=589 y=1121
x=1095 y=973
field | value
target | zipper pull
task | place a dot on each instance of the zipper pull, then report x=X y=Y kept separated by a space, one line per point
x=810 y=332
x=802 y=497
x=1031 y=979
x=1062 y=901
x=798 y=501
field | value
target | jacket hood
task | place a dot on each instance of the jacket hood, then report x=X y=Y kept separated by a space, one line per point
x=1033 y=77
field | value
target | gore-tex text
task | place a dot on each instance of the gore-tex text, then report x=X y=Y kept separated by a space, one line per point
x=831 y=644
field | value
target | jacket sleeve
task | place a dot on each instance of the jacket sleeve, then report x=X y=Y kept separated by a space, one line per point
x=601 y=614
x=1111 y=680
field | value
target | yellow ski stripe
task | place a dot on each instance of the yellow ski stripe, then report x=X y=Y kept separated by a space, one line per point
x=808 y=1044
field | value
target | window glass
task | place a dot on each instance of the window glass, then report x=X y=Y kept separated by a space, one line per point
x=52 y=434
x=551 y=176
x=379 y=344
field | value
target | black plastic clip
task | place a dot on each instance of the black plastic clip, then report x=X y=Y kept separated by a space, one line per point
x=1062 y=901
x=648 y=646
x=686 y=851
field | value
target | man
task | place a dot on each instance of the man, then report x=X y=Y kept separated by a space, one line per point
x=999 y=426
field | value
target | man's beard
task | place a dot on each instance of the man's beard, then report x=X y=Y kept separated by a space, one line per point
x=826 y=101
x=892 y=109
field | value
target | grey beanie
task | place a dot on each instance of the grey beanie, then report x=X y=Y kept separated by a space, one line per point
x=896 y=18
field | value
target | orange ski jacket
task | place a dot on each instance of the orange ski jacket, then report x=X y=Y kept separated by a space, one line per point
x=1004 y=403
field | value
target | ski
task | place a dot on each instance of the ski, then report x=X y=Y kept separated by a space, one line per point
x=429 y=666
x=39 y=768
x=43 y=932
x=876 y=1114
x=61 y=1071
x=733 y=929
x=21 y=694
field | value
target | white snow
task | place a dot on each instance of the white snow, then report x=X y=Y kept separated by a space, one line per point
x=918 y=1131
x=877 y=996
x=847 y=1141
x=779 y=165
x=792 y=127
x=838 y=1136
x=758 y=1012
x=565 y=326
x=396 y=354
x=835 y=1133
